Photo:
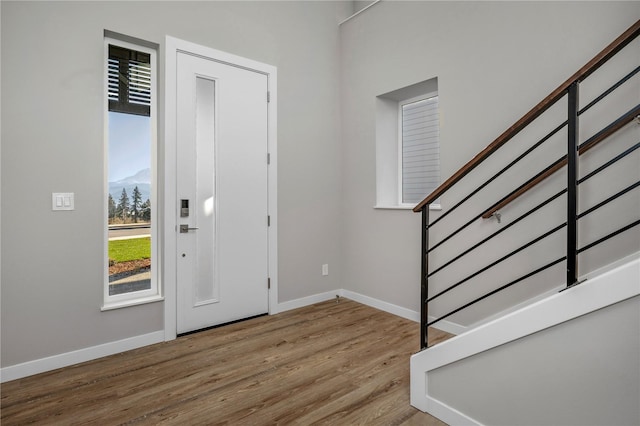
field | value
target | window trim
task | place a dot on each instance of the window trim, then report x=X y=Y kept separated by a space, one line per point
x=153 y=294
x=402 y=205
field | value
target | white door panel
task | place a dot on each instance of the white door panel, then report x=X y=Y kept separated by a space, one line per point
x=222 y=261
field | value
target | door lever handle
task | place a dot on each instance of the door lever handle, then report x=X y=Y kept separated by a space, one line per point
x=185 y=228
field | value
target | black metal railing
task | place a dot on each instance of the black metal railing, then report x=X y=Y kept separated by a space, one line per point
x=570 y=89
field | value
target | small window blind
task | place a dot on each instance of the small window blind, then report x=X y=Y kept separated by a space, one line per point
x=129 y=81
x=420 y=149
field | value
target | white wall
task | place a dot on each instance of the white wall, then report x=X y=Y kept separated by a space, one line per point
x=494 y=61
x=574 y=354
x=582 y=372
x=52 y=80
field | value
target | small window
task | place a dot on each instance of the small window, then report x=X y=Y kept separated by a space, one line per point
x=130 y=138
x=419 y=149
x=407 y=145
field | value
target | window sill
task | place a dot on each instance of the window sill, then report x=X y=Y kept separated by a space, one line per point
x=131 y=302
x=432 y=207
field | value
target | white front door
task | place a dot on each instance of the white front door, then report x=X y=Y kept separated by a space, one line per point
x=221 y=191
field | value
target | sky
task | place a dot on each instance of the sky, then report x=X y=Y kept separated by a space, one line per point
x=129 y=145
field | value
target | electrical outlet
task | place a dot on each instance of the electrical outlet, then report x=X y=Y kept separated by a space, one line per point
x=325 y=269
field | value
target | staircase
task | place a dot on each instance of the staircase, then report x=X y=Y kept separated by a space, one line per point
x=541 y=263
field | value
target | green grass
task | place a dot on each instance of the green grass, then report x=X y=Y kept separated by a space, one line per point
x=132 y=249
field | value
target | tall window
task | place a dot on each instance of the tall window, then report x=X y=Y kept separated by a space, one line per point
x=419 y=148
x=130 y=111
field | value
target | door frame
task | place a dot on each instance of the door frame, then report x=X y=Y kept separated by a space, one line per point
x=168 y=152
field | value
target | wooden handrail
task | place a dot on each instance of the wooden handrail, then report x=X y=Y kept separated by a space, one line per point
x=591 y=66
x=559 y=164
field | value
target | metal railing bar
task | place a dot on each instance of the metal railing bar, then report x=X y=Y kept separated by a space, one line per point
x=609 y=163
x=530 y=274
x=502 y=259
x=555 y=166
x=570 y=89
x=584 y=147
x=555 y=262
x=424 y=284
x=608 y=200
x=609 y=90
x=616 y=125
x=613 y=234
x=539 y=177
x=453 y=234
x=572 y=184
x=494 y=177
x=504 y=228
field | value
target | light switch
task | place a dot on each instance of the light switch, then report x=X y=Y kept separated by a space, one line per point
x=62 y=201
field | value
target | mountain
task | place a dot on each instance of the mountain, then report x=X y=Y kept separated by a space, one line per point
x=142 y=176
x=142 y=179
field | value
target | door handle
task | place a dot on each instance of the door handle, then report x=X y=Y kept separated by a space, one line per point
x=185 y=228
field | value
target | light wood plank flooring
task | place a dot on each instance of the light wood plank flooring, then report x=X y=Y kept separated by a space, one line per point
x=330 y=363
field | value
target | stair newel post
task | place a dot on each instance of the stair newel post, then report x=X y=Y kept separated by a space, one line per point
x=572 y=185
x=424 y=287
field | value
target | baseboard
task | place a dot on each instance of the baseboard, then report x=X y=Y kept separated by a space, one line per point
x=306 y=301
x=448 y=326
x=30 y=368
x=382 y=305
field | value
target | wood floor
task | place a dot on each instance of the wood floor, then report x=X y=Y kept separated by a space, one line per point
x=330 y=363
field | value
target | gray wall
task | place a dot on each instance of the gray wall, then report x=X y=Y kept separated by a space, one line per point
x=52 y=141
x=582 y=372
x=494 y=61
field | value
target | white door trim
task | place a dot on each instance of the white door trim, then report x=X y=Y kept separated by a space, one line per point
x=168 y=154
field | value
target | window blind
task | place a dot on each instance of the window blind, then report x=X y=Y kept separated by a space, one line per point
x=129 y=81
x=420 y=149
